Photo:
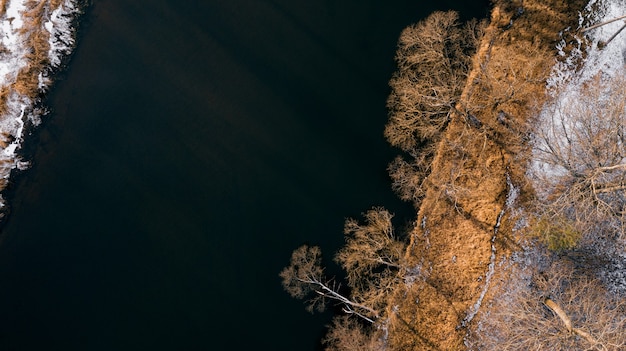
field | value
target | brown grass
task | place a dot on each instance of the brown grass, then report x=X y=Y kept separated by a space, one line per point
x=3 y=7
x=4 y=95
x=35 y=9
x=422 y=318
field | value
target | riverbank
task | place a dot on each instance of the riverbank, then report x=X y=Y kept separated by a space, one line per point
x=36 y=37
x=464 y=224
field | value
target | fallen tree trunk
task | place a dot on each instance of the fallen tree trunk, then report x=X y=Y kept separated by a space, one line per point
x=559 y=312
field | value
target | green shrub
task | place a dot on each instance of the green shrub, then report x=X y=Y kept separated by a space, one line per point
x=557 y=233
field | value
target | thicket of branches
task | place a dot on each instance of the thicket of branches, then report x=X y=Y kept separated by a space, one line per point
x=433 y=59
x=347 y=334
x=558 y=309
x=577 y=301
x=373 y=260
x=580 y=171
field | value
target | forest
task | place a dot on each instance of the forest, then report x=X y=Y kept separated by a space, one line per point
x=517 y=173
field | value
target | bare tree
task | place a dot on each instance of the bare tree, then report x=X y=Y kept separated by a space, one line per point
x=407 y=178
x=370 y=246
x=305 y=277
x=433 y=59
x=433 y=62
x=372 y=259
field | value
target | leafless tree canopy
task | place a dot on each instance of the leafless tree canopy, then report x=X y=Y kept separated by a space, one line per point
x=433 y=59
x=370 y=246
x=372 y=259
x=347 y=334
x=301 y=277
x=304 y=278
x=408 y=177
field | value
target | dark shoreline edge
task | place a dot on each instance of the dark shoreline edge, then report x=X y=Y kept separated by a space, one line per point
x=42 y=108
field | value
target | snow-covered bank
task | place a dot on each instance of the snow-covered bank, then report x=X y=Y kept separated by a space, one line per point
x=34 y=38
x=579 y=159
x=568 y=86
x=609 y=58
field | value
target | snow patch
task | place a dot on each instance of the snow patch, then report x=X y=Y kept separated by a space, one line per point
x=61 y=32
x=13 y=51
x=567 y=80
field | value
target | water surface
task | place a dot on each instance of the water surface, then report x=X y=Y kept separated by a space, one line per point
x=191 y=146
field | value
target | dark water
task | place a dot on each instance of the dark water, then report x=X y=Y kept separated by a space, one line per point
x=191 y=146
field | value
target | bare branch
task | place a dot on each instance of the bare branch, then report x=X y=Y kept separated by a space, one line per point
x=305 y=277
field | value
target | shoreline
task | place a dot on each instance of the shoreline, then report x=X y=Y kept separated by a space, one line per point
x=37 y=44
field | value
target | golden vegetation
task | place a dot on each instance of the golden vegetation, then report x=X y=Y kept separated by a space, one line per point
x=480 y=154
